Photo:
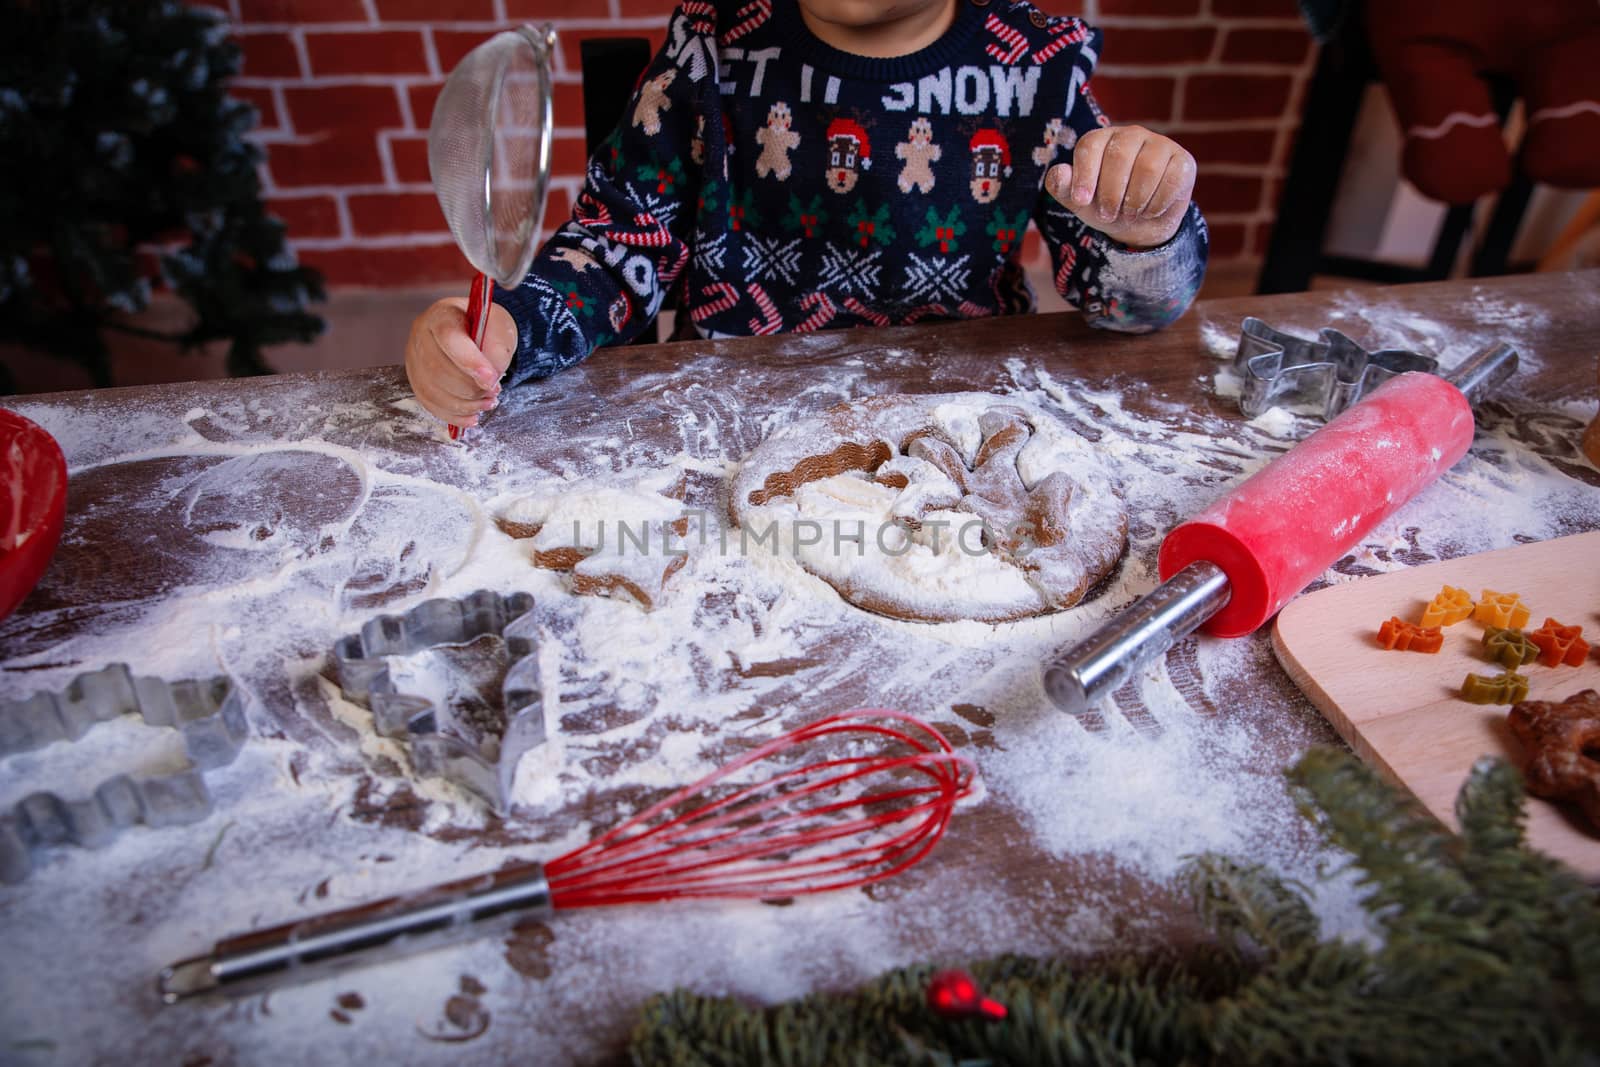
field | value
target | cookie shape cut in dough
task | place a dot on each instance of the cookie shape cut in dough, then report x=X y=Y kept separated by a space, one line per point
x=612 y=538
x=936 y=508
x=1556 y=738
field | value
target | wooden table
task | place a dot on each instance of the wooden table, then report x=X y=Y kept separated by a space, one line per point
x=235 y=525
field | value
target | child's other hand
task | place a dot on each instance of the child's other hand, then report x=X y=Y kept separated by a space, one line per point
x=1130 y=184
x=451 y=377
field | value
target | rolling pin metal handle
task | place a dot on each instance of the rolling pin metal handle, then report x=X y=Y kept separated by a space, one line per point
x=1092 y=669
x=327 y=943
x=1484 y=371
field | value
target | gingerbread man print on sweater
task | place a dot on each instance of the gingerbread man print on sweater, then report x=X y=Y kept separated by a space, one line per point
x=1056 y=134
x=653 y=101
x=576 y=258
x=849 y=153
x=991 y=161
x=919 y=153
x=777 y=140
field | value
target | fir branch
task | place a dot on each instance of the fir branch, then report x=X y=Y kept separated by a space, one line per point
x=1249 y=902
x=1489 y=808
x=1404 y=855
x=1492 y=956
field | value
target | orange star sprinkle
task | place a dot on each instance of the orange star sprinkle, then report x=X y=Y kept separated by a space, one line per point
x=1559 y=644
x=1501 y=609
x=1448 y=608
x=1402 y=636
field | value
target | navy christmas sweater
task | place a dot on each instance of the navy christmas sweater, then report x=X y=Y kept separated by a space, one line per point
x=783 y=185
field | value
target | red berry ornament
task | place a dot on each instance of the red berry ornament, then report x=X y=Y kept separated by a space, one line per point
x=954 y=995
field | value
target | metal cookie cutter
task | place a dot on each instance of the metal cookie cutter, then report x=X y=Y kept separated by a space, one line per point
x=208 y=713
x=1333 y=370
x=443 y=742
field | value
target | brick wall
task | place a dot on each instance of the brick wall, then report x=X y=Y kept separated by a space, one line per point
x=346 y=87
x=1223 y=77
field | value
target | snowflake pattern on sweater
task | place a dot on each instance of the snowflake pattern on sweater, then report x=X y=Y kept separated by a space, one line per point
x=783 y=185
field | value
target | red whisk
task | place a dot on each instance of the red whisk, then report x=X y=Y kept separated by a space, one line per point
x=854 y=799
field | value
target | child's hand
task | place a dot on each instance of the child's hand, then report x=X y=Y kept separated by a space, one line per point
x=451 y=377
x=1130 y=184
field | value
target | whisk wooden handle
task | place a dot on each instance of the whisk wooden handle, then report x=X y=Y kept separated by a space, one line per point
x=358 y=936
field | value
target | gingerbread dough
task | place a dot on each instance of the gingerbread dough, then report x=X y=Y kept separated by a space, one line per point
x=1557 y=739
x=612 y=539
x=935 y=508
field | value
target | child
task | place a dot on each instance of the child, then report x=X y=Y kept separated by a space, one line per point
x=795 y=165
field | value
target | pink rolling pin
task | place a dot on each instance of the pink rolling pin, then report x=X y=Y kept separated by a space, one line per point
x=1232 y=567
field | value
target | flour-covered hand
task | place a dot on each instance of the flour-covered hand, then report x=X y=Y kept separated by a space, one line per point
x=1131 y=184
x=451 y=376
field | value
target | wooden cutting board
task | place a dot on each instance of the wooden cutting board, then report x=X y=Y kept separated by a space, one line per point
x=1401 y=711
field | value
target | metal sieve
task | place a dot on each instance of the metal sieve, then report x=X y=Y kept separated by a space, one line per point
x=489 y=157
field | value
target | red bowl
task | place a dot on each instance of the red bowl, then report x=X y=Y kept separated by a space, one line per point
x=33 y=503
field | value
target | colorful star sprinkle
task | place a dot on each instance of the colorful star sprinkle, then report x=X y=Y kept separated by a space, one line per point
x=1501 y=609
x=1403 y=636
x=1506 y=688
x=1509 y=646
x=1448 y=608
x=1559 y=644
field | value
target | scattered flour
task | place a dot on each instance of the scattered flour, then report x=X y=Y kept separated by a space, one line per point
x=1375 y=319
x=319 y=812
x=1218 y=341
x=1275 y=421
x=907 y=548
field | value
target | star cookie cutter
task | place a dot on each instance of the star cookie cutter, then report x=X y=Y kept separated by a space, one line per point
x=208 y=713
x=1332 y=371
x=442 y=741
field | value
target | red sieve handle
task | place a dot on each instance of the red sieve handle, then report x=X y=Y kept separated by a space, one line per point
x=479 y=300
